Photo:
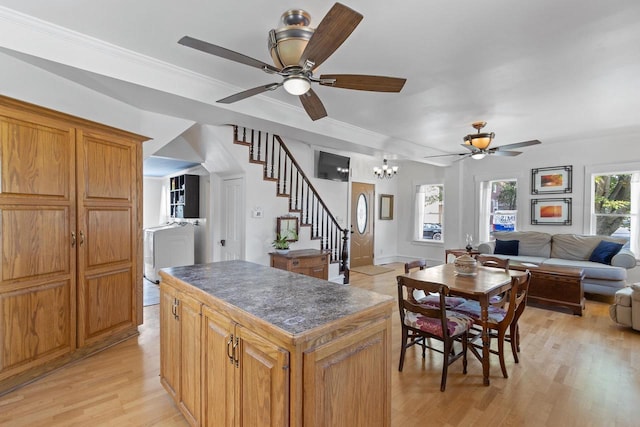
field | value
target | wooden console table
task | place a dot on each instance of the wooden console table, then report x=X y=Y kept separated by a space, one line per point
x=556 y=286
x=310 y=262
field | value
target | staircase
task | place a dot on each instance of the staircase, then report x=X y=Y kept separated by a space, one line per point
x=279 y=166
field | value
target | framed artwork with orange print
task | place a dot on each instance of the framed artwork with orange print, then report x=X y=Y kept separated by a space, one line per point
x=551 y=211
x=552 y=180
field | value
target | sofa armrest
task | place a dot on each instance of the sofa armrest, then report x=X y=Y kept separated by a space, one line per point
x=486 y=247
x=625 y=259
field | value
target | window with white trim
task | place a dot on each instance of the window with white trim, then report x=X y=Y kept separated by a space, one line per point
x=429 y=208
x=615 y=202
x=498 y=207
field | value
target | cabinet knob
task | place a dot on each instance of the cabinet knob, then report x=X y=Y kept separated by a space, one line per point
x=295 y=262
x=73 y=239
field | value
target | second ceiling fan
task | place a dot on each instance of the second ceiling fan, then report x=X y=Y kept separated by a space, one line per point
x=478 y=145
x=297 y=50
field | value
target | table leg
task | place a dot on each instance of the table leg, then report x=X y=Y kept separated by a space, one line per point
x=486 y=340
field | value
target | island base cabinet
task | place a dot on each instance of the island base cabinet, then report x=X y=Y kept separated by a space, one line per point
x=346 y=372
x=246 y=377
x=180 y=355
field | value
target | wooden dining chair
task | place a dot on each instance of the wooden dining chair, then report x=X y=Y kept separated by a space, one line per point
x=501 y=319
x=496 y=262
x=493 y=261
x=421 y=321
x=416 y=264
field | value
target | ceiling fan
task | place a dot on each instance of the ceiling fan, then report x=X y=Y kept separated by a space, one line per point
x=478 y=145
x=297 y=50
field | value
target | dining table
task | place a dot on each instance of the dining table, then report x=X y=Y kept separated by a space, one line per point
x=484 y=283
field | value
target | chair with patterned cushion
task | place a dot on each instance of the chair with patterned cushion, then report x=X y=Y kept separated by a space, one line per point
x=420 y=321
x=501 y=319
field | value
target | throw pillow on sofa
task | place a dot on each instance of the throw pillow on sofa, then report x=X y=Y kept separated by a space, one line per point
x=605 y=251
x=506 y=247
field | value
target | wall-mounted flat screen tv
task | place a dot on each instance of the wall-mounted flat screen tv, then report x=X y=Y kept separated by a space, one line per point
x=332 y=166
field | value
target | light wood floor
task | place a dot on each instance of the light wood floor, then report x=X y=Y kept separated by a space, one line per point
x=573 y=371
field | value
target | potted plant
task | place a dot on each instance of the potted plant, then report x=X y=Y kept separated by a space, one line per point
x=281 y=242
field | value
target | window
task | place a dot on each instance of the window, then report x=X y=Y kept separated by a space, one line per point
x=615 y=198
x=498 y=207
x=429 y=211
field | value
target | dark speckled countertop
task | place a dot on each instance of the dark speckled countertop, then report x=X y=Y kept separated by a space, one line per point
x=289 y=301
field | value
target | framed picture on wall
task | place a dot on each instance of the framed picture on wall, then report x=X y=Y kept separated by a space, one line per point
x=551 y=211
x=552 y=180
x=287 y=226
x=386 y=206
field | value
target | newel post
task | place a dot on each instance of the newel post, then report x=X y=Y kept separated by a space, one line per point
x=345 y=255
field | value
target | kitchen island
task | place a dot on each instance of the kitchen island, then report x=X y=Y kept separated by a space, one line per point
x=243 y=344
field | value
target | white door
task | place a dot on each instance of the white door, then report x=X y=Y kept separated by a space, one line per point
x=232 y=235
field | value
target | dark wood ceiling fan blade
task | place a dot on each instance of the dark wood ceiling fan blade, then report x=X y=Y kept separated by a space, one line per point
x=225 y=53
x=333 y=30
x=363 y=82
x=249 y=92
x=504 y=153
x=312 y=105
x=519 y=144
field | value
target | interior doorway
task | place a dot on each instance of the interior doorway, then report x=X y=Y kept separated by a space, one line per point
x=232 y=224
x=362 y=198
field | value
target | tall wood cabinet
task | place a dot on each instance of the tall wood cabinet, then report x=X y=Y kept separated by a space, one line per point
x=70 y=226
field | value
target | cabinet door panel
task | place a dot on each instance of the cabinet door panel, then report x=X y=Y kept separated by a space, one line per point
x=104 y=303
x=262 y=382
x=108 y=167
x=190 y=381
x=169 y=342
x=36 y=324
x=218 y=374
x=337 y=379
x=36 y=160
x=35 y=241
x=107 y=237
x=109 y=277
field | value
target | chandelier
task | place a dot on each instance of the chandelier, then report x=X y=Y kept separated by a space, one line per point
x=385 y=171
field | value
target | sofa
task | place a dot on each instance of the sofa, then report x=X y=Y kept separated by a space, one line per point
x=626 y=307
x=605 y=276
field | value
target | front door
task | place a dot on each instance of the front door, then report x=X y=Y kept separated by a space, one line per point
x=362 y=197
x=232 y=227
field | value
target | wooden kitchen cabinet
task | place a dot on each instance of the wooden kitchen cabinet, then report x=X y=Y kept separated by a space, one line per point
x=245 y=378
x=70 y=227
x=296 y=371
x=310 y=262
x=180 y=318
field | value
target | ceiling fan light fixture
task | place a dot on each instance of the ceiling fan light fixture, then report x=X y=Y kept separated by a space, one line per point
x=479 y=140
x=297 y=85
x=287 y=42
x=478 y=156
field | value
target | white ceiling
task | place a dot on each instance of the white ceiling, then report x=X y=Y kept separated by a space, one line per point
x=550 y=70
